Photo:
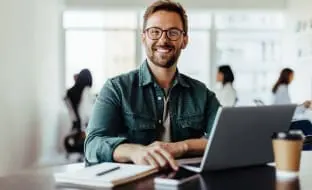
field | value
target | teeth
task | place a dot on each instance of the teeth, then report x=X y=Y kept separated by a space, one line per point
x=163 y=50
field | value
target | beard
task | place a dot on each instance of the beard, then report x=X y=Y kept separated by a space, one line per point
x=164 y=60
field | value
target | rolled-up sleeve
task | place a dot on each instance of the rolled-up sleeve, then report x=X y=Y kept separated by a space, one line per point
x=104 y=126
x=212 y=106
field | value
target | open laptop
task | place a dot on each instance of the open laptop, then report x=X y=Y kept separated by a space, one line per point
x=241 y=136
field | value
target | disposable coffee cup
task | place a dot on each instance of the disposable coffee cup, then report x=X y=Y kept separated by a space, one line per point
x=287 y=184
x=287 y=148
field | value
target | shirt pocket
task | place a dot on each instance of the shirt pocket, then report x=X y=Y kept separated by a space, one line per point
x=141 y=128
x=191 y=126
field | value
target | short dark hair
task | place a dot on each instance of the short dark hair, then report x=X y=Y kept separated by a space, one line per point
x=227 y=72
x=166 y=5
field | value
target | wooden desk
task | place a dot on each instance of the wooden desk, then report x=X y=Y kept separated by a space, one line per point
x=247 y=178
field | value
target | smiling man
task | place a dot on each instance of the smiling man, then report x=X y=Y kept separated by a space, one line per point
x=154 y=114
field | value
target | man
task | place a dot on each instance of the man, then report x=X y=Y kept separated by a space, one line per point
x=154 y=114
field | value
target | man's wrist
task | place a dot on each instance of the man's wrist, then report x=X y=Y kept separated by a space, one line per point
x=125 y=152
x=185 y=146
x=196 y=146
x=132 y=151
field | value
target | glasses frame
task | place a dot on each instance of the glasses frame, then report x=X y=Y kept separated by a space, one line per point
x=162 y=31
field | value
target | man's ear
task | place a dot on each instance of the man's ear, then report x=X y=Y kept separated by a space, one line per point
x=143 y=37
x=185 y=41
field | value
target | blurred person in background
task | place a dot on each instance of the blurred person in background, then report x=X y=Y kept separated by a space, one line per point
x=280 y=88
x=281 y=94
x=226 y=93
x=79 y=101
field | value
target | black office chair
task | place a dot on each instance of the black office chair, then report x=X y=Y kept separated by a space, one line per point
x=306 y=127
x=74 y=141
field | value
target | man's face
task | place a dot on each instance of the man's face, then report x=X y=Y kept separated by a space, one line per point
x=164 y=52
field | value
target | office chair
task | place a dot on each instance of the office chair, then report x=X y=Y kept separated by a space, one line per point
x=306 y=127
x=74 y=141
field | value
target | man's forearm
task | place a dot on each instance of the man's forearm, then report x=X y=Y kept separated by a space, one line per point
x=195 y=146
x=123 y=152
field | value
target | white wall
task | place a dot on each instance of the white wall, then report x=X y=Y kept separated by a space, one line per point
x=297 y=10
x=29 y=80
x=210 y=4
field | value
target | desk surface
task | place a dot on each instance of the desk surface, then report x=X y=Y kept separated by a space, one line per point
x=247 y=178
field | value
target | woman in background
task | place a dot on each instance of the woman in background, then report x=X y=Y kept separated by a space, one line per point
x=281 y=94
x=280 y=88
x=226 y=94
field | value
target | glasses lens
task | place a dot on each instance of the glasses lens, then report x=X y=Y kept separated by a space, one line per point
x=154 y=33
x=174 y=34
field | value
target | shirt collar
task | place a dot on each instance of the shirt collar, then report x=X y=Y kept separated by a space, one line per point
x=146 y=78
x=181 y=80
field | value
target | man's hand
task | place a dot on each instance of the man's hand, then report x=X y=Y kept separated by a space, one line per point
x=307 y=104
x=154 y=155
x=176 y=149
x=159 y=154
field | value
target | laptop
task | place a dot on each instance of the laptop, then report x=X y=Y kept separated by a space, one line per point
x=241 y=136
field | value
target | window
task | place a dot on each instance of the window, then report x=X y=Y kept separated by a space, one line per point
x=103 y=42
x=103 y=52
x=107 y=42
x=251 y=44
x=100 y=19
x=250 y=20
x=195 y=59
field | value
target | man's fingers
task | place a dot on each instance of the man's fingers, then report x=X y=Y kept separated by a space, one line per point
x=156 y=156
x=169 y=158
x=162 y=162
x=141 y=161
x=151 y=160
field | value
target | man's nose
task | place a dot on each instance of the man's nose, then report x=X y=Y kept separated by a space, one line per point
x=164 y=37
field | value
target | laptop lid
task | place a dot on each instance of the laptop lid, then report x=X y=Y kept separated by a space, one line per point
x=241 y=136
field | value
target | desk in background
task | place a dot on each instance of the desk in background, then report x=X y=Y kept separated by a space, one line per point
x=256 y=178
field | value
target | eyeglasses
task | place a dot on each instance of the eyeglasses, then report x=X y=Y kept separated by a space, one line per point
x=172 y=34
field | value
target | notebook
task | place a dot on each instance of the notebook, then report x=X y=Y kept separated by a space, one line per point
x=118 y=174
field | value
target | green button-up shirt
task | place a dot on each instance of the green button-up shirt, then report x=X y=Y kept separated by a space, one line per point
x=129 y=109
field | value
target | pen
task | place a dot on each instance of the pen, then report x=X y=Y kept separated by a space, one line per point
x=107 y=171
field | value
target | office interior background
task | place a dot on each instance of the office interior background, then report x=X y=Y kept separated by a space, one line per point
x=43 y=43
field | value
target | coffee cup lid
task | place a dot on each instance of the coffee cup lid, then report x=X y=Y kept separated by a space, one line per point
x=290 y=135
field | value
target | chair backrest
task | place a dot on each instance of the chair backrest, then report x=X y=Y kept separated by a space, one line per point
x=70 y=109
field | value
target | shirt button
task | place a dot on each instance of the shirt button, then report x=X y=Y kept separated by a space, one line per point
x=159 y=121
x=158 y=98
